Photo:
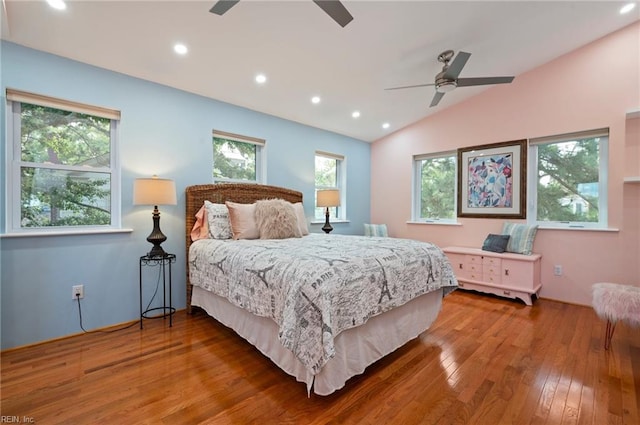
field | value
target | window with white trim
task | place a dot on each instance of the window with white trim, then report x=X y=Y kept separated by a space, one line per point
x=434 y=187
x=237 y=158
x=568 y=180
x=330 y=173
x=63 y=169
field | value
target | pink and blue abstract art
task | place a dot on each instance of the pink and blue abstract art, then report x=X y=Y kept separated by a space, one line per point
x=490 y=181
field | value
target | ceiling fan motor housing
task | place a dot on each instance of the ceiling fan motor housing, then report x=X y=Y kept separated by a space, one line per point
x=443 y=84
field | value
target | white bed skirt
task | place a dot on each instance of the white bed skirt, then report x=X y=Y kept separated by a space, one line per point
x=356 y=348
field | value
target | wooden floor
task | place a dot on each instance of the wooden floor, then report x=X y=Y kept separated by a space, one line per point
x=484 y=361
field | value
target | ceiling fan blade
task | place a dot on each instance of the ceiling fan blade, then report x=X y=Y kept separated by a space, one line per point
x=481 y=81
x=410 y=87
x=222 y=6
x=436 y=99
x=336 y=10
x=456 y=65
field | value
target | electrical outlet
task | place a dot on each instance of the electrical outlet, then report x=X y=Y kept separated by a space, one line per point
x=557 y=270
x=77 y=291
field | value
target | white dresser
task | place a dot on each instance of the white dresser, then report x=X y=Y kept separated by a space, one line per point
x=506 y=275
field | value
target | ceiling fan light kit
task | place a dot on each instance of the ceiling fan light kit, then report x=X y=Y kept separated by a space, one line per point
x=447 y=79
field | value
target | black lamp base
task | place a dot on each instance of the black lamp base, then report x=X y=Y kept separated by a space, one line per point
x=156 y=237
x=327 y=227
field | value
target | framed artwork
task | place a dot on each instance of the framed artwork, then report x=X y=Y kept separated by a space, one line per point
x=492 y=180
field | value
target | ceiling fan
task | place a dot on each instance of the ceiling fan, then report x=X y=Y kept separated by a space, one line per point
x=333 y=8
x=447 y=79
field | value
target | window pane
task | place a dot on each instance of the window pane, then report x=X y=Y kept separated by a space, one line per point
x=437 y=188
x=568 y=181
x=326 y=172
x=234 y=160
x=54 y=136
x=326 y=177
x=64 y=198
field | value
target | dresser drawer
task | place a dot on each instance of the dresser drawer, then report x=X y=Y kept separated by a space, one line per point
x=491 y=261
x=492 y=273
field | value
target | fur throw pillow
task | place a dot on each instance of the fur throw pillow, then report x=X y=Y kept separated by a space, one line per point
x=276 y=219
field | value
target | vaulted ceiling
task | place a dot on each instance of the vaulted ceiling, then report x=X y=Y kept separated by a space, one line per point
x=304 y=53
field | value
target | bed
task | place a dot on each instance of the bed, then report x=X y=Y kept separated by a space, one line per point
x=321 y=307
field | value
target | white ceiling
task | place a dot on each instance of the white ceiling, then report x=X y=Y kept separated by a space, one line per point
x=304 y=52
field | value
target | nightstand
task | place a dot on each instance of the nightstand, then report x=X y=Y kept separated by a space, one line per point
x=164 y=262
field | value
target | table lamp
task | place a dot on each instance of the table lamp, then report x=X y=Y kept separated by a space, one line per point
x=327 y=198
x=155 y=191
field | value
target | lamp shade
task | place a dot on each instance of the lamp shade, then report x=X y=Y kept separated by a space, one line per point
x=154 y=191
x=328 y=198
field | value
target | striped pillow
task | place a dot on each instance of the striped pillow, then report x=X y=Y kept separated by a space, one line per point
x=521 y=237
x=376 y=230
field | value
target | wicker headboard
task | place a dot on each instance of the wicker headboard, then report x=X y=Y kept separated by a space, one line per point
x=244 y=193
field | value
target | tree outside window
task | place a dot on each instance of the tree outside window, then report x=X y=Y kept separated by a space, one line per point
x=63 y=162
x=236 y=158
x=570 y=180
x=435 y=187
x=328 y=175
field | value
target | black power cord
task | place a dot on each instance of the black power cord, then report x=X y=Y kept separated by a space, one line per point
x=118 y=329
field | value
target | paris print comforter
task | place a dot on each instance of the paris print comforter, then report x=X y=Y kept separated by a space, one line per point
x=316 y=286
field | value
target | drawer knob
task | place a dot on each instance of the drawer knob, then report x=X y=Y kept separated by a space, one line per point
x=507 y=292
x=506 y=272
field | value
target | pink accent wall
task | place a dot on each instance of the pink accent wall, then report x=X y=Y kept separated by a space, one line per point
x=591 y=87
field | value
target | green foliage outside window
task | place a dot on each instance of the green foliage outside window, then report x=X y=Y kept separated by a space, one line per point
x=62 y=154
x=234 y=160
x=326 y=177
x=437 y=188
x=568 y=176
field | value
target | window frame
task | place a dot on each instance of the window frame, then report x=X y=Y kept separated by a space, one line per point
x=416 y=188
x=603 y=179
x=337 y=213
x=260 y=159
x=14 y=164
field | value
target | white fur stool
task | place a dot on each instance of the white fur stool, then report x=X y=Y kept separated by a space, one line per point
x=615 y=302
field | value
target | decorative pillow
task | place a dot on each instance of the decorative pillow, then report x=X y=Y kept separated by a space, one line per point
x=521 y=237
x=243 y=222
x=375 y=230
x=277 y=219
x=302 y=219
x=218 y=220
x=496 y=243
x=200 y=229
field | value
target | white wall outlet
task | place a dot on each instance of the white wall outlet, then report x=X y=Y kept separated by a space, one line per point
x=557 y=270
x=77 y=291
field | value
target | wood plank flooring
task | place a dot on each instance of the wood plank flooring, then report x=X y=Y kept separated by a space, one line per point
x=484 y=361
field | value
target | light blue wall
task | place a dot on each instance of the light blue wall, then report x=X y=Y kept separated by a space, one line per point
x=163 y=131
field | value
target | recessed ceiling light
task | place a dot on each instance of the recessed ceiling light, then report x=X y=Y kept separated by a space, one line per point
x=315 y=99
x=180 y=49
x=627 y=8
x=261 y=78
x=355 y=114
x=385 y=125
x=57 y=4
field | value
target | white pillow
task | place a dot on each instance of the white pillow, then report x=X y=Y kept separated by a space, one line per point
x=218 y=220
x=302 y=219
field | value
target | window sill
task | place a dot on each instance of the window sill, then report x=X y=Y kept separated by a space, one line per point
x=332 y=221
x=580 y=229
x=64 y=233
x=437 y=223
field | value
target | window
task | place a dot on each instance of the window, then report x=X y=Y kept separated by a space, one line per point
x=434 y=183
x=330 y=174
x=237 y=158
x=63 y=168
x=568 y=180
